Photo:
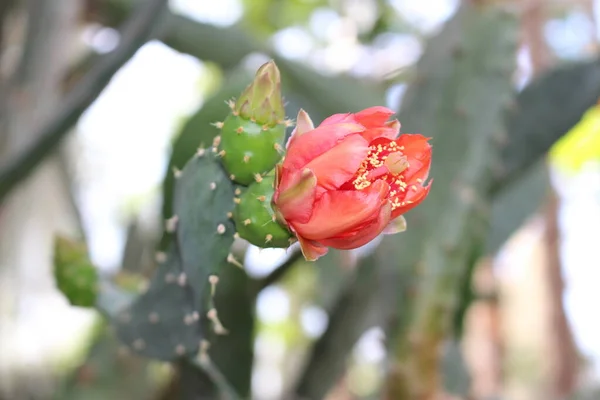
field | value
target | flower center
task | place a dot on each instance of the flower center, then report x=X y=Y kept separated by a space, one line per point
x=386 y=162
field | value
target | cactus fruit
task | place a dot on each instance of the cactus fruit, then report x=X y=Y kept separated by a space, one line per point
x=251 y=140
x=75 y=275
x=255 y=219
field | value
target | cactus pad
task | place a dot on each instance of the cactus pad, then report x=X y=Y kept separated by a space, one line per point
x=254 y=218
x=75 y=276
x=248 y=148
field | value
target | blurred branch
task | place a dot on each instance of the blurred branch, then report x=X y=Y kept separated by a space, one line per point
x=349 y=319
x=136 y=32
x=206 y=365
x=280 y=271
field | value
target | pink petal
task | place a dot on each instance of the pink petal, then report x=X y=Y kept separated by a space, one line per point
x=338 y=119
x=311 y=250
x=338 y=212
x=389 y=130
x=415 y=198
x=364 y=235
x=303 y=124
x=316 y=142
x=294 y=200
x=336 y=166
x=373 y=117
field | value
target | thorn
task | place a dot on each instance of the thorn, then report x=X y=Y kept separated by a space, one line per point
x=213 y=280
x=188 y=319
x=222 y=153
x=170 y=278
x=160 y=257
x=261 y=198
x=139 y=344
x=221 y=229
x=265 y=127
x=213 y=185
x=232 y=177
x=231 y=103
x=246 y=159
x=238 y=191
x=218 y=124
x=268 y=238
x=231 y=259
x=247 y=221
x=200 y=152
x=236 y=235
x=288 y=123
x=217 y=325
x=182 y=279
x=213 y=149
x=273 y=218
x=179 y=350
x=176 y=172
x=153 y=317
x=292 y=240
x=252 y=119
x=237 y=200
x=258 y=178
x=235 y=113
x=171 y=224
x=195 y=316
x=239 y=130
x=278 y=148
x=229 y=214
x=203 y=352
x=216 y=141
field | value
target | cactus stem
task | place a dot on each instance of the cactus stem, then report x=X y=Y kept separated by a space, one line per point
x=218 y=124
x=239 y=130
x=222 y=153
x=232 y=177
x=171 y=224
x=213 y=185
x=261 y=198
x=231 y=259
x=247 y=221
x=268 y=238
x=246 y=159
x=236 y=235
x=237 y=200
x=182 y=279
x=258 y=178
x=153 y=318
x=200 y=152
x=170 y=278
x=221 y=229
x=176 y=172
x=230 y=215
x=139 y=344
x=213 y=280
x=123 y=351
x=160 y=257
x=237 y=191
x=125 y=317
x=188 y=319
x=179 y=350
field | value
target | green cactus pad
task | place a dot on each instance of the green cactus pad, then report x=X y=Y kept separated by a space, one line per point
x=75 y=275
x=254 y=218
x=248 y=148
x=203 y=204
x=162 y=323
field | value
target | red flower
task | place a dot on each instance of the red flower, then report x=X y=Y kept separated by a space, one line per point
x=341 y=184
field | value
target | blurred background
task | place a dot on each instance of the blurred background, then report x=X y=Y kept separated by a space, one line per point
x=101 y=99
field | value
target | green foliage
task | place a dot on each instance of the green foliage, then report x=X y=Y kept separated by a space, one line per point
x=75 y=275
x=255 y=219
x=265 y=17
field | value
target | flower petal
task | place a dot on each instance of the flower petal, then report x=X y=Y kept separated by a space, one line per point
x=373 y=117
x=334 y=167
x=316 y=142
x=414 y=197
x=338 y=212
x=389 y=130
x=338 y=119
x=364 y=235
x=303 y=124
x=295 y=201
x=311 y=250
